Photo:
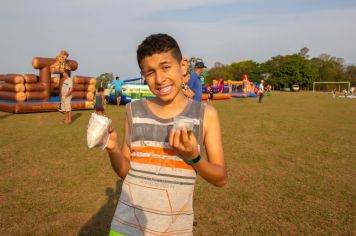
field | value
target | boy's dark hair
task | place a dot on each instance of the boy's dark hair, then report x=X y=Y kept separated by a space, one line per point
x=158 y=43
x=100 y=89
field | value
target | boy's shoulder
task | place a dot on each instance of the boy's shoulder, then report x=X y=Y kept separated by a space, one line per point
x=210 y=114
x=136 y=105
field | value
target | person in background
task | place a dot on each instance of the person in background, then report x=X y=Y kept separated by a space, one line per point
x=334 y=92
x=66 y=97
x=118 y=84
x=261 y=90
x=100 y=102
x=195 y=82
x=211 y=94
x=186 y=90
x=344 y=92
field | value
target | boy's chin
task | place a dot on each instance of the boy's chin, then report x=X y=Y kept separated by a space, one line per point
x=167 y=97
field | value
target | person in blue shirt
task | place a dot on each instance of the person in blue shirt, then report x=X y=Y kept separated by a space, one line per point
x=118 y=84
x=194 y=82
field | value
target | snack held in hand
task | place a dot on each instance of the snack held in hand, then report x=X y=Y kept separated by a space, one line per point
x=97 y=133
x=181 y=122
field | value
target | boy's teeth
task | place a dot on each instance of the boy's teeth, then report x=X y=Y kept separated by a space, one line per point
x=165 y=89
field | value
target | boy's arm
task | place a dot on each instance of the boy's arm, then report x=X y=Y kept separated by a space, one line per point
x=212 y=170
x=119 y=157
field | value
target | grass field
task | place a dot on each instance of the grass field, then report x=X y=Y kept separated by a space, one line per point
x=291 y=164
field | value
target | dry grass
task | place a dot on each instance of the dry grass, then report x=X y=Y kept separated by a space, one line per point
x=291 y=163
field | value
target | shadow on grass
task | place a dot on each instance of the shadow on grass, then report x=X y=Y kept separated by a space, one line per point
x=76 y=116
x=99 y=224
x=6 y=115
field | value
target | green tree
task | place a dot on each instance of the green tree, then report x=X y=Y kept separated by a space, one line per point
x=350 y=74
x=250 y=68
x=284 y=71
x=217 y=72
x=103 y=80
x=329 y=68
x=304 y=52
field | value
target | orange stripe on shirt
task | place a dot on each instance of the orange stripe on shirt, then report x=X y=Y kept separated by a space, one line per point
x=155 y=150
x=161 y=162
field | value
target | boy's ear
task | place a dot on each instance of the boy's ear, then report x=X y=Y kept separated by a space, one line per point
x=184 y=65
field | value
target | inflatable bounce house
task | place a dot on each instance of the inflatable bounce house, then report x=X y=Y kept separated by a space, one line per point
x=38 y=93
x=244 y=88
x=220 y=90
x=131 y=89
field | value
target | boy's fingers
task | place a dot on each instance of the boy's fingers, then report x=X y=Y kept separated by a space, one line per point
x=185 y=138
x=110 y=129
x=176 y=138
x=171 y=134
x=192 y=138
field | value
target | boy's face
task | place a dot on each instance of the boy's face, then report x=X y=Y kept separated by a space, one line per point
x=163 y=74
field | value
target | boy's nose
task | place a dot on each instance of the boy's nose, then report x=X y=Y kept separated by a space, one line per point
x=160 y=77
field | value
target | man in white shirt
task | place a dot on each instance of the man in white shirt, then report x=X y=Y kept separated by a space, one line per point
x=260 y=91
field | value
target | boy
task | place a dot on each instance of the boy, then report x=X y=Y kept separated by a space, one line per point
x=158 y=163
x=66 y=97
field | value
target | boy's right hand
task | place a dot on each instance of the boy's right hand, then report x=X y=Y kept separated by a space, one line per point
x=184 y=143
x=113 y=142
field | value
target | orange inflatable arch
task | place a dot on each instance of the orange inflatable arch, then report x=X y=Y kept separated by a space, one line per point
x=36 y=93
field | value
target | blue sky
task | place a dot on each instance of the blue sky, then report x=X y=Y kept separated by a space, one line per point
x=103 y=35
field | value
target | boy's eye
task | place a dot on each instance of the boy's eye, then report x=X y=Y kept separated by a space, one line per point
x=148 y=74
x=165 y=68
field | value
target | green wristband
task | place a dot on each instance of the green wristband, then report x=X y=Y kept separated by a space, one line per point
x=195 y=160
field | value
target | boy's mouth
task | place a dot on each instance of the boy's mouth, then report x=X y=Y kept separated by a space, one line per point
x=164 y=90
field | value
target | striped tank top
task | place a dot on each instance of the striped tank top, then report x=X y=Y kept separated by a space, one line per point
x=157 y=193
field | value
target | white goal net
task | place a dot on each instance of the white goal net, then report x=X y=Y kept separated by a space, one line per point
x=329 y=86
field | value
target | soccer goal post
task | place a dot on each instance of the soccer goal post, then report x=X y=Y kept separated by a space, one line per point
x=327 y=86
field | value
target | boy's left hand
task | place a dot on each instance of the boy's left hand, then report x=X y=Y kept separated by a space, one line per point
x=184 y=143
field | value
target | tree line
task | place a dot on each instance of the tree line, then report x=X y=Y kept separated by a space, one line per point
x=285 y=71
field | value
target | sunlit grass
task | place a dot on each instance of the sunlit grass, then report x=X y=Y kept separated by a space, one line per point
x=291 y=163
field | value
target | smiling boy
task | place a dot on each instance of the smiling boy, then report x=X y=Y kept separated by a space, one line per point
x=159 y=164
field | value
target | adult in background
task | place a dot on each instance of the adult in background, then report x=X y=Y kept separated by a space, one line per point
x=195 y=82
x=66 y=97
x=185 y=88
x=261 y=89
x=118 y=84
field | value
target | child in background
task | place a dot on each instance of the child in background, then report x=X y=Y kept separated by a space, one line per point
x=158 y=163
x=66 y=97
x=334 y=92
x=344 y=92
x=100 y=102
x=211 y=94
